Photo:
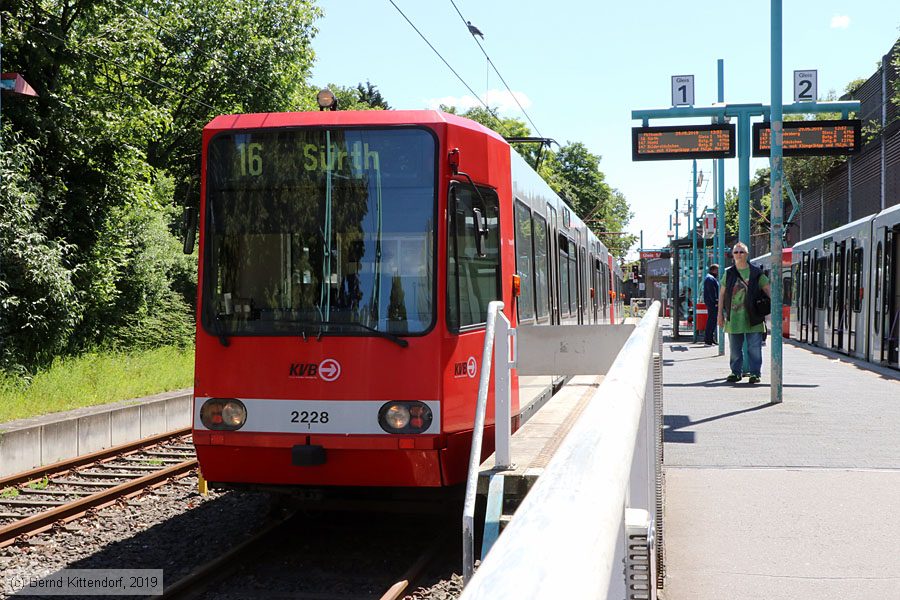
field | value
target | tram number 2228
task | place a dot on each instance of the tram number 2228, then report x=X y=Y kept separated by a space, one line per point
x=309 y=417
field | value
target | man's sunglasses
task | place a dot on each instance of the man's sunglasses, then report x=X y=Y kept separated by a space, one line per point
x=738 y=252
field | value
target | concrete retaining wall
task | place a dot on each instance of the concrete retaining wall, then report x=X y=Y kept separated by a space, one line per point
x=29 y=443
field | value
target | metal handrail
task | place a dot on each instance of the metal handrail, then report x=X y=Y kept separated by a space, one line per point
x=468 y=520
x=563 y=540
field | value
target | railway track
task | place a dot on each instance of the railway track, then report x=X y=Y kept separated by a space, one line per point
x=33 y=501
x=203 y=581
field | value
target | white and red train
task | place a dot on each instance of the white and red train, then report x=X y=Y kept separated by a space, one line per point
x=347 y=260
x=842 y=289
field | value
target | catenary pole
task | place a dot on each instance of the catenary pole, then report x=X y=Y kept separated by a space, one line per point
x=776 y=167
x=720 y=198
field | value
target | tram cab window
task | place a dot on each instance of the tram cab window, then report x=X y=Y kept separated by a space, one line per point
x=473 y=280
x=524 y=262
x=320 y=231
x=541 y=267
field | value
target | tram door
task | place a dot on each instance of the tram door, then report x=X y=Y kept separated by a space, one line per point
x=582 y=286
x=553 y=264
x=890 y=346
x=854 y=284
x=837 y=292
x=803 y=298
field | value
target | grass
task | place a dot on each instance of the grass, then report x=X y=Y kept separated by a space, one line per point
x=39 y=485
x=96 y=378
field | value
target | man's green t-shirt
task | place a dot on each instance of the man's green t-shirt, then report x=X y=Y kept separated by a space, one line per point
x=739 y=321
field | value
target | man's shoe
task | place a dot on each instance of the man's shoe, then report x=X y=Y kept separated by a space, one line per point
x=754 y=379
x=733 y=378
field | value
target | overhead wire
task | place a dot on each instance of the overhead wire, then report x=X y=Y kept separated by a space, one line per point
x=497 y=71
x=458 y=76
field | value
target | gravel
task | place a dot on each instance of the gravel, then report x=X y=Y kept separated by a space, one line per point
x=345 y=555
x=171 y=528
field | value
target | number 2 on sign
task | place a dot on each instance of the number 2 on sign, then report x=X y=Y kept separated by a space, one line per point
x=251 y=161
x=805 y=87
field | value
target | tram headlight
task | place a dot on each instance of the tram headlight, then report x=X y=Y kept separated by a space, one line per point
x=326 y=100
x=405 y=417
x=223 y=414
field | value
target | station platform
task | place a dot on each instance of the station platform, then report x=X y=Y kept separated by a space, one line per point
x=534 y=444
x=789 y=501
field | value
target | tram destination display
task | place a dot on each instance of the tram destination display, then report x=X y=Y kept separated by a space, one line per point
x=682 y=141
x=810 y=138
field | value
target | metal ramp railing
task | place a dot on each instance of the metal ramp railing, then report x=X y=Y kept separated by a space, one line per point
x=599 y=502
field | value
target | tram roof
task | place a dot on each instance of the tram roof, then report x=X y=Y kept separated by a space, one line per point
x=346 y=118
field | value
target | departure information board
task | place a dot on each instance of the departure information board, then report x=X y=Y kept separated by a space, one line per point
x=682 y=141
x=810 y=138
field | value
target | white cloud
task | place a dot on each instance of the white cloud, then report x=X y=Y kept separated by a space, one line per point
x=840 y=21
x=499 y=99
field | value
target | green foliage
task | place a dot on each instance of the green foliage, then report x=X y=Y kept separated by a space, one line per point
x=732 y=213
x=895 y=84
x=9 y=492
x=41 y=484
x=39 y=303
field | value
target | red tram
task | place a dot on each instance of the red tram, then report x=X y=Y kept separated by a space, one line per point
x=346 y=263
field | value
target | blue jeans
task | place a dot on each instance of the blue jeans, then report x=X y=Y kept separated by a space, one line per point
x=754 y=352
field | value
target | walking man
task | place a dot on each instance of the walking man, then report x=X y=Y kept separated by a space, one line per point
x=741 y=285
x=711 y=299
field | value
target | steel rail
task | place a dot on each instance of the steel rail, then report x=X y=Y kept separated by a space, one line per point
x=194 y=581
x=399 y=589
x=85 y=459
x=46 y=519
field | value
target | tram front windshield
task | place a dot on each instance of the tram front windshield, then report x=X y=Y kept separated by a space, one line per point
x=320 y=231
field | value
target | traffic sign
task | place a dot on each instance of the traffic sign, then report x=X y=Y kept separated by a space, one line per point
x=682 y=141
x=682 y=90
x=805 y=86
x=810 y=138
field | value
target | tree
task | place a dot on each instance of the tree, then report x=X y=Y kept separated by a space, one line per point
x=109 y=150
x=574 y=173
x=370 y=96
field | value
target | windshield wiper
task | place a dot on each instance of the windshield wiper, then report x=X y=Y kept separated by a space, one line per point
x=220 y=331
x=384 y=334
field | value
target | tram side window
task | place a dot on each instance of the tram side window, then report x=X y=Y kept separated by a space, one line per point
x=524 y=260
x=565 y=301
x=474 y=280
x=821 y=277
x=573 y=278
x=856 y=286
x=541 y=266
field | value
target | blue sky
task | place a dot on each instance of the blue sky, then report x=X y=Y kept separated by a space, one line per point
x=579 y=67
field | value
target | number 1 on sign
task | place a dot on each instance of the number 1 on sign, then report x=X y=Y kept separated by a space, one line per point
x=682 y=90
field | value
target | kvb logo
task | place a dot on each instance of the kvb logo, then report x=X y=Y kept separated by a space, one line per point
x=328 y=370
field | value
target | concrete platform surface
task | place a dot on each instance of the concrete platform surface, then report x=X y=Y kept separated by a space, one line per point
x=789 y=501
